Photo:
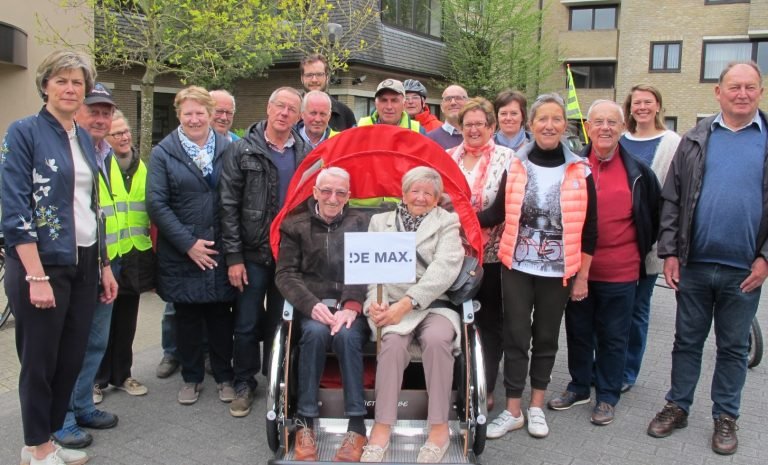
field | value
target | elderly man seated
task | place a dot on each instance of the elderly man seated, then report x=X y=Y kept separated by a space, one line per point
x=310 y=275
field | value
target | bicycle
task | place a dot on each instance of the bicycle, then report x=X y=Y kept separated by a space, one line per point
x=549 y=247
x=6 y=312
x=755 y=334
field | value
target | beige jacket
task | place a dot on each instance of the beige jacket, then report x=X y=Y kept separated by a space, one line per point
x=439 y=242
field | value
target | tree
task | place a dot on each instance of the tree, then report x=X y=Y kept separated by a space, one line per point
x=494 y=45
x=334 y=28
x=206 y=42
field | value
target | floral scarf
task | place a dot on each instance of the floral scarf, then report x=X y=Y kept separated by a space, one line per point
x=203 y=157
x=411 y=223
x=483 y=154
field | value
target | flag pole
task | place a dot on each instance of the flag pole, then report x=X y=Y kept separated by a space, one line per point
x=572 y=108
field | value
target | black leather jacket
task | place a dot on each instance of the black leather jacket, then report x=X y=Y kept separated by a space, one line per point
x=681 y=193
x=248 y=194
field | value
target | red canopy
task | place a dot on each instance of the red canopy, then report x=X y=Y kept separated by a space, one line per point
x=376 y=158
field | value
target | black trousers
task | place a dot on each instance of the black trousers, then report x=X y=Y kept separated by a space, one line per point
x=490 y=321
x=51 y=342
x=116 y=365
x=533 y=311
x=191 y=322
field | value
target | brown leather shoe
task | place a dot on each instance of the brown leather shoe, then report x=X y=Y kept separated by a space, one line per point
x=306 y=445
x=669 y=419
x=351 y=447
x=724 y=440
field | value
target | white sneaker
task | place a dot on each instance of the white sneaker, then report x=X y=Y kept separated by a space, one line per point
x=67 y=456
x=503 y=424
x=98 y=396
x=537 y=424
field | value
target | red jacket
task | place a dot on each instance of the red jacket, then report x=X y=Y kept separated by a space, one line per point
x=428 y=120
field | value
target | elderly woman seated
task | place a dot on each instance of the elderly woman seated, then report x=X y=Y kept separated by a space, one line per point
x=417 y=311
x=310 y=274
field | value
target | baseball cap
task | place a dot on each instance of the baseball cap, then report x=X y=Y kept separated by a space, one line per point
x=99 y=94
x=390 y=84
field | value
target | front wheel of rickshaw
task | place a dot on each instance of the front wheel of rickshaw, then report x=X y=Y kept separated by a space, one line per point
x=755 y=345
x=276 y=391
x=479 y=395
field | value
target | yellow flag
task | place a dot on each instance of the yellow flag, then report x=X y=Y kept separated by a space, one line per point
x=572 y=108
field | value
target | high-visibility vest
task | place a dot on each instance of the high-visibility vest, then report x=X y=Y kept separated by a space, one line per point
x=111 y=226
x=405 y=121
x=131 y=208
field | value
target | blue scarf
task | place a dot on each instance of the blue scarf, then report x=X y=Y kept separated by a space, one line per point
x=203 y=158
x=512 y=143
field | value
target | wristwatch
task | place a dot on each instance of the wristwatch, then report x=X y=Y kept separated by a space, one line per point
x=414 y=304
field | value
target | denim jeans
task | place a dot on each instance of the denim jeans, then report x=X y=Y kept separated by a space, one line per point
x=597 y=330
x=708 y=291
x=347 y=344
x=253 y=323
x=168 y=335
x=638 y=332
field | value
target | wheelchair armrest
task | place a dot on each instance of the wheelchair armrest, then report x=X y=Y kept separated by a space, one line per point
x=287 y=311
x=468 y=310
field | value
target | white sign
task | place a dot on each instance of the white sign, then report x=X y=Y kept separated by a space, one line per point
x=379 y=257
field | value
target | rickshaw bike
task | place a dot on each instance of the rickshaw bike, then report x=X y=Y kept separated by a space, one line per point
x=377 y=157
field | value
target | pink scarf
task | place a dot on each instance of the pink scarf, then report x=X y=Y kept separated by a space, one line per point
x=483 y=156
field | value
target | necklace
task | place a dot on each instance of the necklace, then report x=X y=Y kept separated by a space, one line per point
x=72 y=133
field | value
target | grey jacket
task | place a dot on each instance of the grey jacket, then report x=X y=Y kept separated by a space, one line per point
x=681 y=192
x=437 y=240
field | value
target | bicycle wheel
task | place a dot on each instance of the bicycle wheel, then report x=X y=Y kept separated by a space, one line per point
x=755 y=345
x=4 y=305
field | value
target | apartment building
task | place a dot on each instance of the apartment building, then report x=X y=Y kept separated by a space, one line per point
x=679 y=46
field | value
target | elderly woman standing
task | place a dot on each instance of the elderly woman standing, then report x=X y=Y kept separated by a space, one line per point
x=483 y=163
x=511 y=106
x=55 y=250
x=182 y=200
x=548 y=208
x=418 y=311
x=652 y=143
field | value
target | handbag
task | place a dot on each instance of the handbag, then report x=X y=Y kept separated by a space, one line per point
x=466 y=284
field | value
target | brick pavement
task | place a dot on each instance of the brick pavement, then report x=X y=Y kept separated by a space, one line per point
x=155 y=429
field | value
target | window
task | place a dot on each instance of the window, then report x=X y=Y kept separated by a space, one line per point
x=594 y=75
x=422 y=16
x=671 y=123
x=717 y=55
x=665 y=57
x=588 y=19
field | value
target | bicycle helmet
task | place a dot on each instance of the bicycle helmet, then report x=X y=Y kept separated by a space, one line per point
x=412 y=85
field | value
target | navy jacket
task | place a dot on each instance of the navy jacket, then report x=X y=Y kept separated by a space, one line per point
x=185 y=208
x=38 y=188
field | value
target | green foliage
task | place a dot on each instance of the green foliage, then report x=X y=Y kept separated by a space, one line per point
x=494 y=45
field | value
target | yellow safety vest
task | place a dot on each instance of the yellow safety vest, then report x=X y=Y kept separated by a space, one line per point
x=111 y=226
x=131 y=208
x=405 y=121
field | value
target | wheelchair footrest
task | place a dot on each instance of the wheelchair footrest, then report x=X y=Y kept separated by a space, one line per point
x=407 y=438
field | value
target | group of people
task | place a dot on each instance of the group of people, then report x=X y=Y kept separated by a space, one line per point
x=563 y=234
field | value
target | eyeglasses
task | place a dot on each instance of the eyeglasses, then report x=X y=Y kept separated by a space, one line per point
x=313 y=75
x=413 y=98
x=282 y=107
x=120 y=134
x=326 y=193
x=474 y=125
x=600 y=123
x=224 y=112
x=458 y=98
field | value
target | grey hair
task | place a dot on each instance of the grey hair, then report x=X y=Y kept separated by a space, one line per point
x=332 y=172
x=542 y=99
x=315 y=93
x=288 y=89
x=225 y=93
x=423 y=174
x=64 y=60
x=600 y=101
x=749 y=63
x=117 y=114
